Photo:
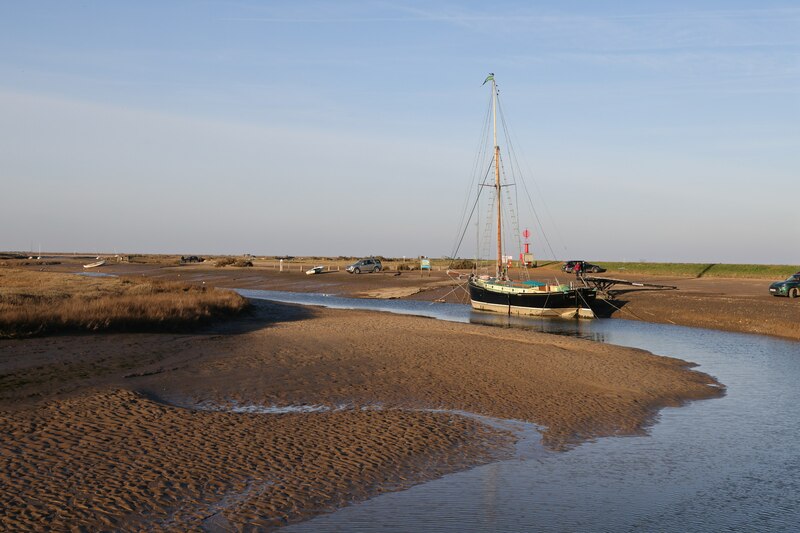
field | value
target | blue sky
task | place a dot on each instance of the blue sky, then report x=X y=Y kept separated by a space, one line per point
x=664 y=131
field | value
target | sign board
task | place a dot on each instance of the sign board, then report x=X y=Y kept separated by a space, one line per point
x=425 y=264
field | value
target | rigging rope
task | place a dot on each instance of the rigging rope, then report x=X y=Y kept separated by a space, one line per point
x=475 y=166
x=474 y=205
x=515 y=172
x=512 y=152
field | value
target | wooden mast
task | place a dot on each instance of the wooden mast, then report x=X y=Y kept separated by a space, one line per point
x=499 y=270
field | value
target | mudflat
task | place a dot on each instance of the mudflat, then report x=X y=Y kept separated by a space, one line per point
x=168 y=431
x=737 y=305
x=729 y=304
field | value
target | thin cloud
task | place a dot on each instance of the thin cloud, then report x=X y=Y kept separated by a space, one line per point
x=452 y=14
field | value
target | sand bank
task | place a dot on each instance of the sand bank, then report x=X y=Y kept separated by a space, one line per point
x=100 y=430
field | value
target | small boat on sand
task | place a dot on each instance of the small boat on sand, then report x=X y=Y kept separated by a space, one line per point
x=95 y=264
x=315 y=270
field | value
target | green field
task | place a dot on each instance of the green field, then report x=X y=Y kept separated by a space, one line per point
x=687 y=270
x=704 y=270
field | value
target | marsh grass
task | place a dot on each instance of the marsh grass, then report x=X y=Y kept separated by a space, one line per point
x=462 y=264
x=37 y=303
x=230 y=261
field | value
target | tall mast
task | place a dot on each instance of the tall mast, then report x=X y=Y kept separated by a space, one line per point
x=499 y=271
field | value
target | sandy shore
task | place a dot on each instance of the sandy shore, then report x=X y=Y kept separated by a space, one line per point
x=136 y=431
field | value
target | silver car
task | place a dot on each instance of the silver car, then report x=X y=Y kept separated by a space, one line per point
x=365 y=265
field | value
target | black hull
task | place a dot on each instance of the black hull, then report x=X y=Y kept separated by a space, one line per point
x=568 y=304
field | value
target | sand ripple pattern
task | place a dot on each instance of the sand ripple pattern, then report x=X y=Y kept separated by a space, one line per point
x=81 y=451
x=117 y=460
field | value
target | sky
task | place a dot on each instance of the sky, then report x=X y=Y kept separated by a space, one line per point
x=656 y=131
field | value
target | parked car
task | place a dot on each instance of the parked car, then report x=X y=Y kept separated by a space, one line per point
x=789 y=287
x=365 y=265
x=569 y=266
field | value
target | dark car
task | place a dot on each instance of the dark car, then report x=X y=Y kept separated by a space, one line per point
x=365 y=265
x=569 y=266
x=789 y=287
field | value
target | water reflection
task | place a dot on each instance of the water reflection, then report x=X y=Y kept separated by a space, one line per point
x=96 y=274
x=570 y=328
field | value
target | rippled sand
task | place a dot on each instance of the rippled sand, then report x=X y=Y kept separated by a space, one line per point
x=101 y=431
x=118 y=460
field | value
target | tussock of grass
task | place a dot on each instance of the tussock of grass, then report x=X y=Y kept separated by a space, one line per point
x=224 y=261
x=35 y=303
x=462 y=264
x=230 y=261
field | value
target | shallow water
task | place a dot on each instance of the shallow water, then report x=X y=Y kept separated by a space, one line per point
x=457 y=313
x=96 y=275
x=728 y=464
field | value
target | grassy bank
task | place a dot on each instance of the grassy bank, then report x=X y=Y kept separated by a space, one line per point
x=36 y=303
x=687 y=270
x=704 y=270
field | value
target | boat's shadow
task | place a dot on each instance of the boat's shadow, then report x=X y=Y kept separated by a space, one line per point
x=607 y=307
x=615 y=300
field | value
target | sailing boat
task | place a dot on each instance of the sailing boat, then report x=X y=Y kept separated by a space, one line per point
x=501 y=294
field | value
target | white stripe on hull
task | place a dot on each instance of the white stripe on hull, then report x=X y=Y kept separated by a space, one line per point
x=583 y=312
